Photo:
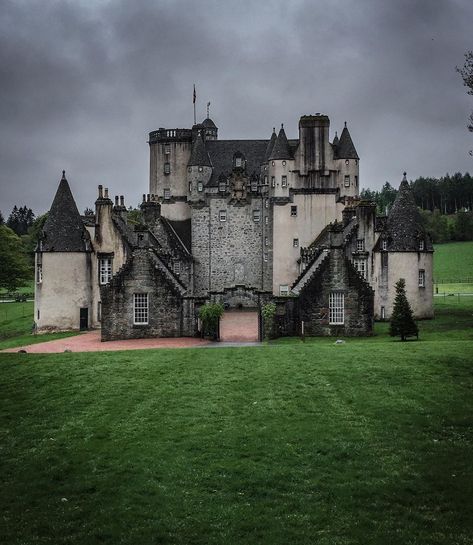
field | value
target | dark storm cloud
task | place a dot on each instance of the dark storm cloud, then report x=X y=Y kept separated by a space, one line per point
x=83 y=83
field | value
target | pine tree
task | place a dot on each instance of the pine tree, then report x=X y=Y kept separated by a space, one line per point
x=402 y=322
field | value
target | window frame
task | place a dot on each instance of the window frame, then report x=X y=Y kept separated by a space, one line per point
x=283 y=290
x=345 y=180
x=421 y=278
x=200 y=186
x=222 y=216
x=295 y=243
x=167 y=168
x=336 y=307
x=294 y=211
x=140 y=308
x=256 y=215
x=360 y=244
x=105 y=273
x=283 y=180
x=167 y=193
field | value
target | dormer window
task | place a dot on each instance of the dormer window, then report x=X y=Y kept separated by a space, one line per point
x=222 y=186
x=384 y=245
x=421 y=245
x=238 y=162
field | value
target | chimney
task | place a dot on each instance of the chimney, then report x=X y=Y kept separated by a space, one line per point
x=314 y=142
x=151 y=210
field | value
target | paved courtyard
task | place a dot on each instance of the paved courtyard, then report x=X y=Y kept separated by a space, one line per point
x=239 y=326
x=90 y=342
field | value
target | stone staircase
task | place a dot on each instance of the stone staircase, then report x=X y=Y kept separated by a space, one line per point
x=309 y=271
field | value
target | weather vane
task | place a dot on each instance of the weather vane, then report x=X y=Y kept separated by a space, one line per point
x=208 y=110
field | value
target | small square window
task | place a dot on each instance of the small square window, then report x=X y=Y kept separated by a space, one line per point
x=283 y=181
x=200 y=186
x=167 y=194
x=167 y=149
x=347 y=180
x=295 y=242
x=283 y=289
x=293 y=211
x=200 y=169
x=222 y=215
x=167 y=168
x=360 y=245
x=256 y=215
x=421 y=278
x=284 y=163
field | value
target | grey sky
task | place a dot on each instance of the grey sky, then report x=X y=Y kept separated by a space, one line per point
x=82 y=83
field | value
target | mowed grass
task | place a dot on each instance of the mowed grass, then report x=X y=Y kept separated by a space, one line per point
x=16 y=326
x=369 y=442
x=453 y=262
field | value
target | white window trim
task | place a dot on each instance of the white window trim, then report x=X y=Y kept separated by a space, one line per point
x=283 y=180
x=421 y=278
x=105 y=270
x=256 y=215
x=200 y=186
x=140 y=309
x=360 y=245
x=336 y=308
x=346 y=181
x=283 y=290
x=222 y=215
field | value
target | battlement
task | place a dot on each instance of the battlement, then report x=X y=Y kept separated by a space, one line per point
x=170 y=135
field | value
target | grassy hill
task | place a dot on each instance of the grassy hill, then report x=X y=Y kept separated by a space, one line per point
x=368 y=443
x=453 y=262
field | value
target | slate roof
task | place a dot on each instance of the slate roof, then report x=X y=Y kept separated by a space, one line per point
x=345 y=147
x=404 y=230
x=221 y=154
x=183 y=231
x=270 y=146
x=199 y=155
x=281 y=149
x=64 y=229
x=208 y=123
x=336 y=141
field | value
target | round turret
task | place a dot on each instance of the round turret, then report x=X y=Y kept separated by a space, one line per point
x=210 y=129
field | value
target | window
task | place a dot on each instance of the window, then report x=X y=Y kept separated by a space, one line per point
x=360 y=266
x=266 y=220
x=273 y=181
x=140 y=308
x=356 y=181
x=200 y=169
x=176 y=267
x=238 y=162
x=360 y=245
x=266 y=180
x=105 y=270
x=167 y=168
x=283 y=289
x=384 y=245
x=39 y=273
x=336 y=307
x=200 y=186
x=167 y=193
x=295 y=242
x=99 y=311
x=293 y=211
x=383 y=313
x=265 y=257
x=347 y=162
x=266 y=241
x=190 y=187
x=256 y=215
x=222 y=187
x=347 y=180
x=222 y=215
x=421 y=278
x=283 y=181
x=254 y=185
x=167 y=149
x=266 y=203
x=421 y=245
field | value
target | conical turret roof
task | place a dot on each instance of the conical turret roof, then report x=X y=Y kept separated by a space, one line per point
x=346 y=148
x=208 y=123
x=336 y=141
x=64 y=230
x=199 y=155
x=404 y=228
x=281 y=149
x=270 y=147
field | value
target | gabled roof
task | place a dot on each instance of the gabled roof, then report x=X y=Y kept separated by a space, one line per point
x=281 y=149
x=345 y=147
x=404 y=229
x=270 y=147
x=199 y=155
x=64 y=229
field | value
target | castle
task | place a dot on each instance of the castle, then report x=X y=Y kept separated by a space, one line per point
x=241 y=222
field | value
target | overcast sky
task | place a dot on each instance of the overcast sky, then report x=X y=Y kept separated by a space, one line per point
x=83 y=82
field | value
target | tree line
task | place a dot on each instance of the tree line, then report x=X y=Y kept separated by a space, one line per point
x=446 y=204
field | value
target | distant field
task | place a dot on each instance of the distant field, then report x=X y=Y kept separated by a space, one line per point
x=453 y=262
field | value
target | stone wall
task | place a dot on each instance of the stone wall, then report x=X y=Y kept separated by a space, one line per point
x=170 y=314
x=336 y=274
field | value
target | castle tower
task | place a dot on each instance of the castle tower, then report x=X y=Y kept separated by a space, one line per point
x=170 y=151
x=404 y=250
x=210 y=129
x=199 y=169
x=348 y=162
x=63 y=293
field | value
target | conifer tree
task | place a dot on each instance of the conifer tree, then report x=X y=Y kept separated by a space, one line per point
x=402 y=322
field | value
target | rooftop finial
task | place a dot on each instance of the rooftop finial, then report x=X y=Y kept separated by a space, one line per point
x=282 y=125
x=208 y=110
x=274 y=129
x=63 y=175
x=405 y=179
x=345 y=124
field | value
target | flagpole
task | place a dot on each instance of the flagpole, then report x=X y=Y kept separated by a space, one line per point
x=193 y=100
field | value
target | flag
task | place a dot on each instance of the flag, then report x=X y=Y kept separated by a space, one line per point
x=194 y=97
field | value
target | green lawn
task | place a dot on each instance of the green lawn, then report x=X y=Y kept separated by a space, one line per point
x=453 y=262
x=369 y=442
x=16 y=325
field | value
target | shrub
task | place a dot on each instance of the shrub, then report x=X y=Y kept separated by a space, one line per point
x=268 y=311
x=209 y=315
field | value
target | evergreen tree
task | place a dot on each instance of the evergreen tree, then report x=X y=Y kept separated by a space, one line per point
x=20 y=220
x=402 y=322
x=2 y=221
x=14 y=270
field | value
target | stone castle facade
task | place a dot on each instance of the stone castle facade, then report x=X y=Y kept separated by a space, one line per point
x=242 y=222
